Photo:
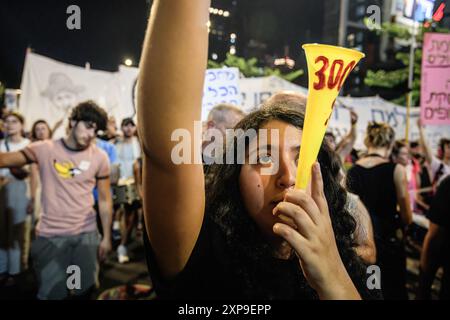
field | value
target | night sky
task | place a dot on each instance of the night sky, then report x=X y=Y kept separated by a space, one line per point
x=112 y=30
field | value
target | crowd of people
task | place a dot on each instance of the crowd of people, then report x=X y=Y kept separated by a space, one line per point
x=217 y=229
x=62 y=193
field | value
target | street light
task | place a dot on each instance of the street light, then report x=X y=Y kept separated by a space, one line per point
x=128 y=62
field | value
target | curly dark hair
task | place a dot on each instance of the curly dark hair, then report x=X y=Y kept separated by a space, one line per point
x=248 y=248
x=89 y=111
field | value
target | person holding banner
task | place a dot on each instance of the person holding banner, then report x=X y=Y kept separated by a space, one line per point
x=248 y=234
x=382 y=187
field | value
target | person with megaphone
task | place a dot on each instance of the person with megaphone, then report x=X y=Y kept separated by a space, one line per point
x=249 y=233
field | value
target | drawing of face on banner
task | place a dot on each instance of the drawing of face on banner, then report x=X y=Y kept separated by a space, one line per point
x=62 y=92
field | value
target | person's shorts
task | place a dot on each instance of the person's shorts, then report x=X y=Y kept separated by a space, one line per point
x=133 y=206
x=65 y=264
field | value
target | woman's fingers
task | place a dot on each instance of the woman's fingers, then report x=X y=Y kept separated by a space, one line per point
x=295 y=239
x=305 y=201
x=317 y=192
x=302 y=222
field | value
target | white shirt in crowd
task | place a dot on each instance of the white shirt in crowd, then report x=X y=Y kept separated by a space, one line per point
x=127 y=153
x=12 y=147
x=436 y=165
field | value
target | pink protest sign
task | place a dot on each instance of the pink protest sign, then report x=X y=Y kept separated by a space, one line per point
x=435 y=82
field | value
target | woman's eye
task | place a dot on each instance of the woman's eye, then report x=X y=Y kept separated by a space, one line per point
x=265 y=160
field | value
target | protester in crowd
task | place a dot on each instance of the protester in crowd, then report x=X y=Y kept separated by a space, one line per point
x=40 y=131
x=110 y=150
x=66 y=234
x=236 y=246
x=288 y=97
x=2 y=133
x=221 y=117
x=401 y=155
x=440 y=165
x=330 y=139
x=363 y=235
x=424 y=194
x=128 y=150
x=345 y=146
x=381 y=186
x=111 y=133
x=137 y=170
x=14 y=200
x=436 y=247
x=2 y=127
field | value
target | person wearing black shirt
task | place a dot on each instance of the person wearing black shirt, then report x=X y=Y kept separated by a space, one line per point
x=248 y=233
x=382 y=187
x=436 y=246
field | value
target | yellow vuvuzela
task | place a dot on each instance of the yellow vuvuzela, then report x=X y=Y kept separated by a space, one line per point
x=328 y=67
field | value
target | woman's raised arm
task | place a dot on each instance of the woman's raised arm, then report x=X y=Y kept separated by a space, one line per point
x=170 y=88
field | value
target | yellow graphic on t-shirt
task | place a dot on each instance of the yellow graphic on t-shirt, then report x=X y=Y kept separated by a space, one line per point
x=66 y=170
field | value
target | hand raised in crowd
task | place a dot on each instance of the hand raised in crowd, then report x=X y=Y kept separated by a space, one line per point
x=314 y=240
x=419 y=123
x=353 y=117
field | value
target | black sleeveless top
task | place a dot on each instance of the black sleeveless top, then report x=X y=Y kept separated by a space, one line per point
x=376 y=189
x=210 y=275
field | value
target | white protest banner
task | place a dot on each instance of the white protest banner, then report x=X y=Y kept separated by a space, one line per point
x=51 y=88
x=126 y=80
x=257 y=90
x=377 y=109
x=435 y=81
x=221 y=86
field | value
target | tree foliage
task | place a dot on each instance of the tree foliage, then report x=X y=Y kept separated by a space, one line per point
x=250 y=68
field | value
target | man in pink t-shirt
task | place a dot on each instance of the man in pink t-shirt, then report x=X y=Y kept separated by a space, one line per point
x=67 y=241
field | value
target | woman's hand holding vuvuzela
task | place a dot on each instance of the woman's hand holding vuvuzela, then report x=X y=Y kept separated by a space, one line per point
x=313 y=240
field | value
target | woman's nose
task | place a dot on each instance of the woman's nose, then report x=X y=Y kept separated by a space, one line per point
x=286 y=173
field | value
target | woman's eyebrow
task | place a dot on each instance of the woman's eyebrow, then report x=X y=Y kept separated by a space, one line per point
x=266 y=147
x=296 y=148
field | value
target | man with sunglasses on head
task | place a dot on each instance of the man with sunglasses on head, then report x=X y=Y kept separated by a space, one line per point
x=67 y=241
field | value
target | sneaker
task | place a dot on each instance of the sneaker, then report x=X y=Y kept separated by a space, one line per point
x=122 y=254
x=116 y=236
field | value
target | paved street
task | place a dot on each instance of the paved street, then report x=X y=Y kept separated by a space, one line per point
x=114 y=275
